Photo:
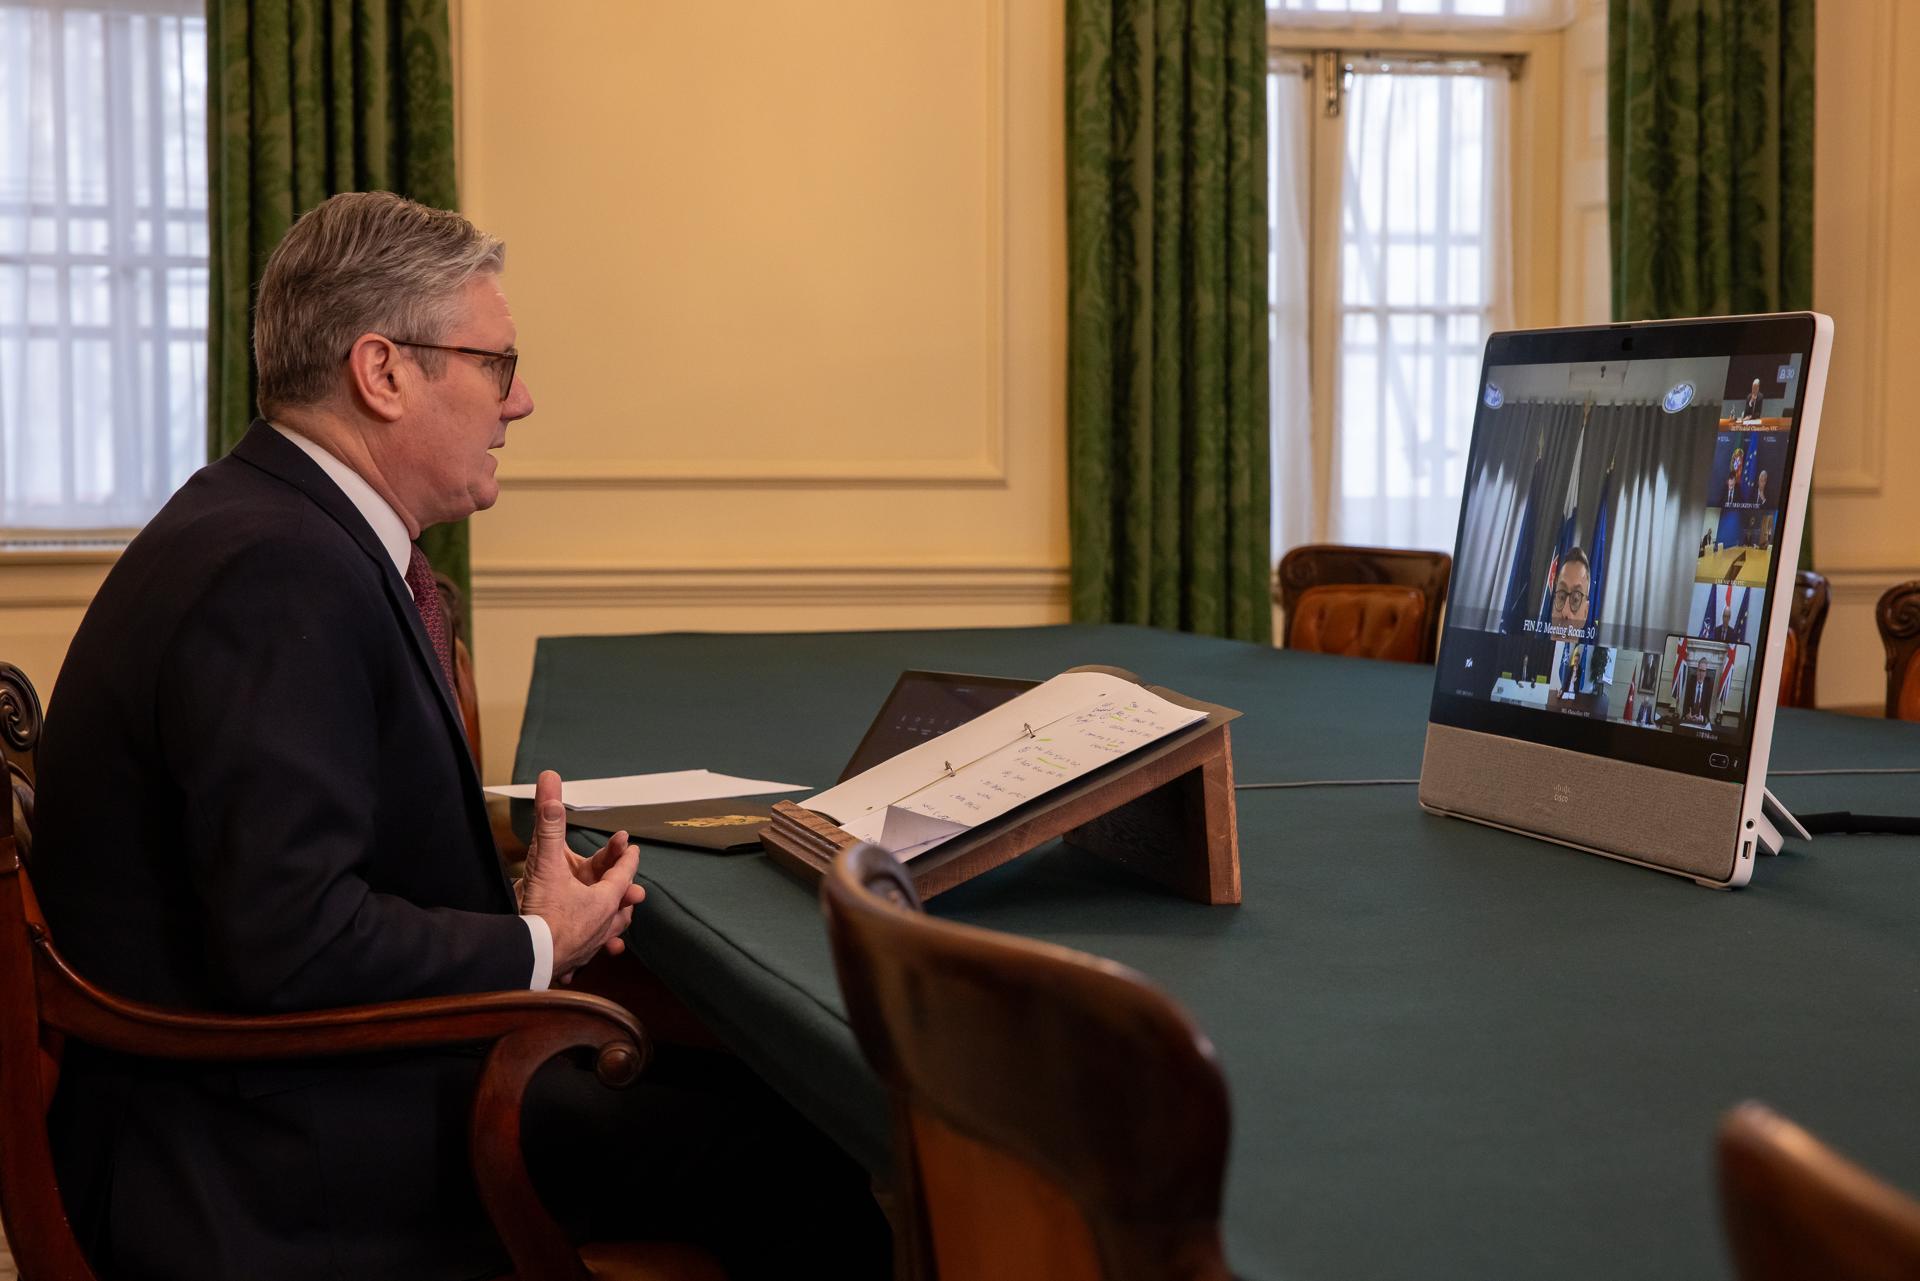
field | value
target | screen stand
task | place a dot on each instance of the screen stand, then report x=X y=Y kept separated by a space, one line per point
x=1773 y=817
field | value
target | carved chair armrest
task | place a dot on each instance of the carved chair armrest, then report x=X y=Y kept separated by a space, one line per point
x=526 y=1031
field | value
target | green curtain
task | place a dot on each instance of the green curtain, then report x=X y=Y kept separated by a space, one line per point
x=1167 y=398
x=308 y=98
x=1710 y=159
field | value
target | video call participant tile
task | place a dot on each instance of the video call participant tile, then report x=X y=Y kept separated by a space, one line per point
x=1702 y=686
x=1760 y=389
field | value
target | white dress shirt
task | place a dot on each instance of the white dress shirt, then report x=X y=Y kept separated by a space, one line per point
x=392 y=533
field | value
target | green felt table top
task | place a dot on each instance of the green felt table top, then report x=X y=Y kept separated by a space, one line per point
x=1453 y=1051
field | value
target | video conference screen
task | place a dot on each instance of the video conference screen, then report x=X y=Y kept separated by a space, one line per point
x=1616 y=553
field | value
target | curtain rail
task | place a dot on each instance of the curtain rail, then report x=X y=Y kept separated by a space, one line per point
x=1427 y=62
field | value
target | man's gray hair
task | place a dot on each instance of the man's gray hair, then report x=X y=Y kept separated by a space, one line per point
x=359 y=262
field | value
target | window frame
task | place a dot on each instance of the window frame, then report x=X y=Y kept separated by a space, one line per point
x=76 y=544
x=1535 y=107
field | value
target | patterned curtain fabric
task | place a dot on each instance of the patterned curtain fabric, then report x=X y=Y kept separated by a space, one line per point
x=309 y=98
x=1167 y=399
x=1710 y=159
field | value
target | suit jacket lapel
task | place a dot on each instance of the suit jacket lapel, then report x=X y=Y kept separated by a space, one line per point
x=265 y=448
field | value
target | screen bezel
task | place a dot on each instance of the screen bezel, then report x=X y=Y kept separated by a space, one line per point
x=1719 y=758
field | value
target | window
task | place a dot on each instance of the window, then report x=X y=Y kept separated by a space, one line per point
x=103 y=260
x=1389 y=197
x=1402 y=164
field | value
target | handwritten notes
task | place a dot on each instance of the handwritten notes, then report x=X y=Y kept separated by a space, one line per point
x=1024 y=748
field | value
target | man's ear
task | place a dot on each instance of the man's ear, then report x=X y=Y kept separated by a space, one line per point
x=378 y=375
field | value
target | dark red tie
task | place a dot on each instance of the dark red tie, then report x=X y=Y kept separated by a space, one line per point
x=426 y=599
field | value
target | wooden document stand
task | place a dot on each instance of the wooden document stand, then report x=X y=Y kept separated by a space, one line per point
x=1165 y=811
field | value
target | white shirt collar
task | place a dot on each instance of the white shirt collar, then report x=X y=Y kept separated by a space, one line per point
x=386 y=523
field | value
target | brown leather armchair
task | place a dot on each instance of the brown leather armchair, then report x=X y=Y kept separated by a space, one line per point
x=1898 y=617
x=1796 y=1210
x=43 y=1002
x=1362 y=620
x=1811 y=600
x=1329 y=564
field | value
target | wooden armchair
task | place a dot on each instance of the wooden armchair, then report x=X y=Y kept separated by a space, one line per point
x=1054 y=1116
x=1795 y=1210
x=1811 y=600
x=1322 y=565
x=19 y=748
x=1898 y=616
x=43 y=1002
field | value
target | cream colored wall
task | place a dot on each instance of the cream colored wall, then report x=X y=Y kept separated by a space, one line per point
x=1866 y=266
x=790 y=282
x=794 y=318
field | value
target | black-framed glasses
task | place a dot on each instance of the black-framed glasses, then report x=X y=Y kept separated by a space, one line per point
x=1572 y=601
x=505 y=362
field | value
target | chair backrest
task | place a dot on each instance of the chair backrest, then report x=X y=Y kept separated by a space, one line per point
x=1054 y=1116
x=1324 y=564
x=41 y=1239
x=1898 y=615
x=20 y=749
x=1795 y=1210
x=1811 y=600
x=1364 y=620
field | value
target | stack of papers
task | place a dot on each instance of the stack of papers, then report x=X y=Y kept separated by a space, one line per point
x=579 y=794
x=1050 y=735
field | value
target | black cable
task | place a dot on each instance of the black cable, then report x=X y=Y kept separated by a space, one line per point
x=1327 y=782
x=1847 y=823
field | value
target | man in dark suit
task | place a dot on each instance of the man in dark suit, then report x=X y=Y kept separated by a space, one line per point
x=256 y=794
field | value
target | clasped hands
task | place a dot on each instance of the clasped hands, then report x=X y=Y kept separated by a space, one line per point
x=586 y=902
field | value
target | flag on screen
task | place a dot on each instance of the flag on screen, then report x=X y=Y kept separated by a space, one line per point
x=1740 y=623
x=1750 y=469
x=1520 y=576
x=1679 y=667
x=1569 y=527
x=1706 y=618
x=1597 y=581
x=1726 y=676
x=1633 y=686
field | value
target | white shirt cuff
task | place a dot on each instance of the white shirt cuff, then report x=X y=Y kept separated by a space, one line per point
x=542 y=953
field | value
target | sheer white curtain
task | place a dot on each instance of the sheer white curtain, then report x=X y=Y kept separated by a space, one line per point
x=1421 y=15
x=103 y=259
x=1289 y=218
x=1424 y=278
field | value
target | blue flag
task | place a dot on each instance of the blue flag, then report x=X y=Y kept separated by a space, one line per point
x=1751 y=467
x=1597 y=571
x=1740 y=623
x=1707 y=619
x=1513 y=610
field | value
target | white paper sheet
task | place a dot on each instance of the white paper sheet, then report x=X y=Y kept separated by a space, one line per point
x=651 y=789
x=1054 y=733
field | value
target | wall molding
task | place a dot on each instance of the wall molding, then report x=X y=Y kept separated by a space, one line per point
x=1866 y=586
x=985 y=468
x=52 y=580
x=988 y=472
x=1867 y=474
x=546 y=585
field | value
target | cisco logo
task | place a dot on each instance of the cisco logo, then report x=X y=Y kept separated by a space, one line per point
x=1562 y=794
x=1678 y=397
